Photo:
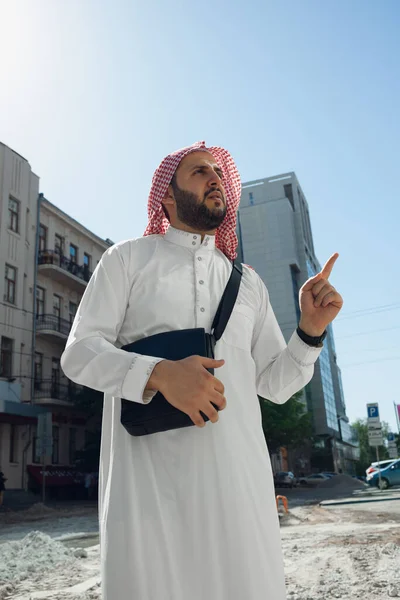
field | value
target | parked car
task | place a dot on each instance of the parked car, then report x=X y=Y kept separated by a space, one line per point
x=285 y=479
x=313 y=479
x=329 y=474
x=383 y=464
x=390 y=475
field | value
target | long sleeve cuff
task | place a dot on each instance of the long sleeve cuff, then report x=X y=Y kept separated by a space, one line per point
x=139 y=373
x=303 y=354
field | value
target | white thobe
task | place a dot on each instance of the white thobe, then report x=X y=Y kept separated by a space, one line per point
x=188 y=514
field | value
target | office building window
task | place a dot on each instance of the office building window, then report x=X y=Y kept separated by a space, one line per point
x=42 y=238
x=6 y=356
x=72 y=311
x=56 y=306
x=72 y=445
x=13 y=215
x=58 y=244
x=40 y=300
x=56 y=445
x=13 y=444
x=295 y=286
x=38 y=374
x=10 y=284
x=251 y=198
x=73 y=253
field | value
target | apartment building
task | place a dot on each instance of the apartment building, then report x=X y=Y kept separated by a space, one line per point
x=67 y=255
x=46 y=260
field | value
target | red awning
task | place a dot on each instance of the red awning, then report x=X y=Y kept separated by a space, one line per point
x=57 y=476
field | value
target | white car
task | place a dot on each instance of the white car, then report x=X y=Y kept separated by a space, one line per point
x=313 y=479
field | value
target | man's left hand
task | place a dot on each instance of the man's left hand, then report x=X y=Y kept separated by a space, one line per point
x=320 y=303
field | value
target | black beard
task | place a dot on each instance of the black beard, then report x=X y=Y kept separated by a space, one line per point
x=196 y=214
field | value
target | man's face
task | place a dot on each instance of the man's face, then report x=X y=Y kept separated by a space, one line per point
x=199 y=192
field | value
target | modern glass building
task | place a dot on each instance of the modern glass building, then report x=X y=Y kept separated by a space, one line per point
x=275 y=237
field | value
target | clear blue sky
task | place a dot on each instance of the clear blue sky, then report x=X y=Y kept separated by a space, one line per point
x=95 y=92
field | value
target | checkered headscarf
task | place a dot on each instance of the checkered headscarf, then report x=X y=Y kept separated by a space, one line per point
x=225 y=238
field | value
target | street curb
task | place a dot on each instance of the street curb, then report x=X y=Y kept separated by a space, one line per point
x=357 y=501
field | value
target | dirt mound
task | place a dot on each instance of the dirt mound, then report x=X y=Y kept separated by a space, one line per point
x=342 y=481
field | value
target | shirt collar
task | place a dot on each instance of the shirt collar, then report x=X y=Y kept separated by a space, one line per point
x=189 y=240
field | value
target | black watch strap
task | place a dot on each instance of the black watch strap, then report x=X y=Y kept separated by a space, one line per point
x=309 y=340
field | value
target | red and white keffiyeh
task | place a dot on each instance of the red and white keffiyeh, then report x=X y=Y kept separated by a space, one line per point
x=225 y=239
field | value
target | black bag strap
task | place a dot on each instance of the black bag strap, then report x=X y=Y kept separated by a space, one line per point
x=228 y=301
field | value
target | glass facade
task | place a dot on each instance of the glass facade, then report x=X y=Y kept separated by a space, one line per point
x=326 y=373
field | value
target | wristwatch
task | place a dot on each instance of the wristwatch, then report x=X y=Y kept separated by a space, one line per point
x=312 y=341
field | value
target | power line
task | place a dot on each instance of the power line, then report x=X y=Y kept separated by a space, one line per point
x=370 y=310
x=342 y=337
x=366 y=362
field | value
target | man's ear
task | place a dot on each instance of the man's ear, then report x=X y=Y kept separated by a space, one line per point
x=169 y=199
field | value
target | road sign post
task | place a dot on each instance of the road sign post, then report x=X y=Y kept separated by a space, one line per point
x=375 y=437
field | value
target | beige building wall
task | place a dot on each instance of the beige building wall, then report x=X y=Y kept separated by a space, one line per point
x=68 y=253
x=19 y=188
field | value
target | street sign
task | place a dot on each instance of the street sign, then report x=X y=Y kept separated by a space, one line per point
x=390 y=436
x=373 y=415
x=375 y=437
x=44 y=442
x=393 y=452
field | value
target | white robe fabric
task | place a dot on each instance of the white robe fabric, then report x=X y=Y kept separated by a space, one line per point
x=188 y=514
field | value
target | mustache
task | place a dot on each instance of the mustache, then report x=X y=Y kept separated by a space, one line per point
x=214 y=191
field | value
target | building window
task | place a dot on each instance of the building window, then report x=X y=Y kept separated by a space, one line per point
x=6 y=357
x=295 y=286
x=289 y=193
x=73 y=253
x=36 y=458
x=56 y=306
x=58 y=244
x=87 y=260
x=251 y=199
x=55 y=377
x=13 y=444
x=38 y=374
x=42 y=238
x=13 y=215
x=10 y=284
x=56 y=445
x=40 y=300
x=72 y=311
x=72 y=445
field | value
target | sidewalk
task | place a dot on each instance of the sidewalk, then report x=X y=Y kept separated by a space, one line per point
x=363 y=496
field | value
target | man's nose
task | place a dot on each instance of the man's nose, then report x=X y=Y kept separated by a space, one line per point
x=215 y=180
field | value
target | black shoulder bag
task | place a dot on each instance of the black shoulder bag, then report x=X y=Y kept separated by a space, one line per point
x=159 y=415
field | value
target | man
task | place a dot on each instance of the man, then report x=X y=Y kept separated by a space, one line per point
x=190 y=514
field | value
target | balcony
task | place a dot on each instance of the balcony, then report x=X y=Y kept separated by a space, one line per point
x=62 y=269
x=48 y=391
x=53 y=327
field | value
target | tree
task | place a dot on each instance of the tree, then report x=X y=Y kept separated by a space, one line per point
x=367 y=452
x=288 y=425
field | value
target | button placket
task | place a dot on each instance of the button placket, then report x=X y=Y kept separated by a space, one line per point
x=202 y=292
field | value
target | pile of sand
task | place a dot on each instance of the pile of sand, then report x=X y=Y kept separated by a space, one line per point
x=345 y=482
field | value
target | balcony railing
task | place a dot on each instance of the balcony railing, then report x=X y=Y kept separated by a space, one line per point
x=48 y=388
x=53 y=323
x=51 y=257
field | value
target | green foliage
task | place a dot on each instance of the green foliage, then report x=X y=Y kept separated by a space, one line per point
x=288 y=425
x=367 y=452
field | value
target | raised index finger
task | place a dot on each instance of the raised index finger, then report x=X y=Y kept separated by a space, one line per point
x=328 y=266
